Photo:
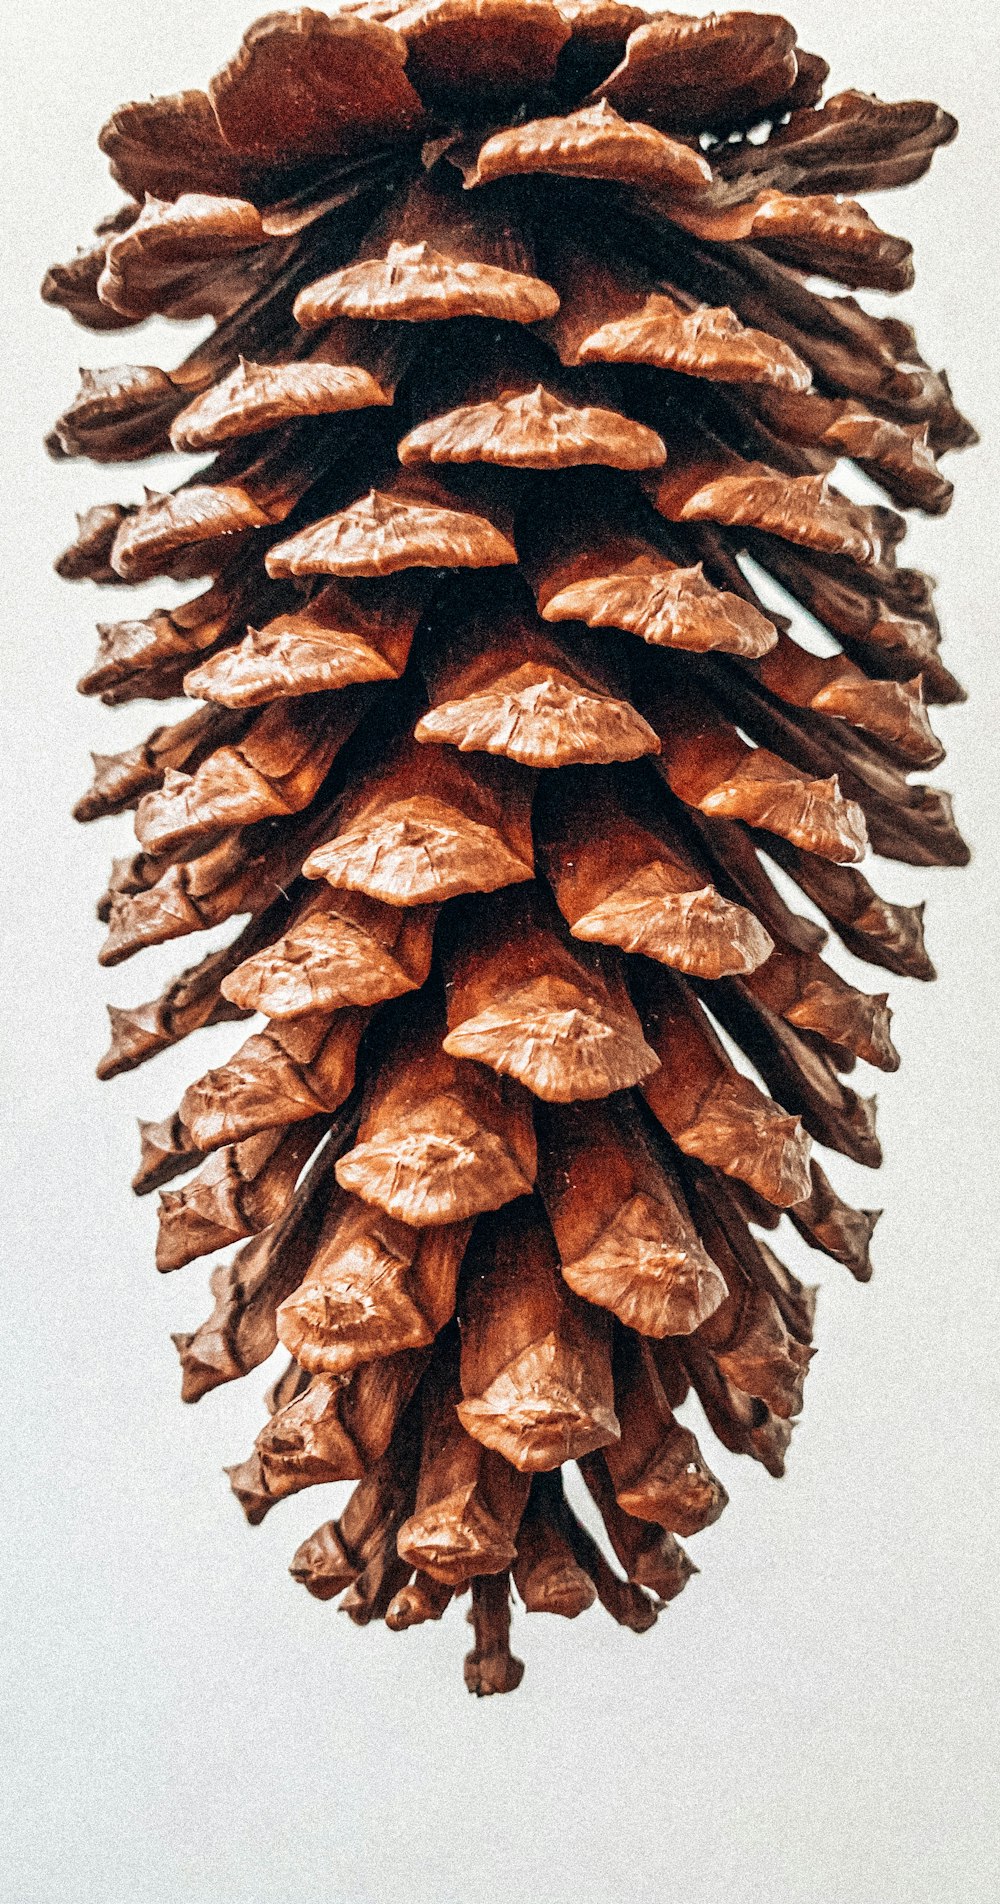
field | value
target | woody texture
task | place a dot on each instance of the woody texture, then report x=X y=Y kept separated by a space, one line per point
x=519 y=415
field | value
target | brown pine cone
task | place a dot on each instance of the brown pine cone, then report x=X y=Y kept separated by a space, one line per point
x=522 y=415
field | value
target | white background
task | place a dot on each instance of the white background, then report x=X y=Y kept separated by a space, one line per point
x=814 y=1722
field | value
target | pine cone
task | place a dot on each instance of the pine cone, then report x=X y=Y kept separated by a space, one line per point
x=522 y=411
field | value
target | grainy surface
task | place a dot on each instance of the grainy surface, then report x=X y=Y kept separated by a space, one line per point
x=826 y=1691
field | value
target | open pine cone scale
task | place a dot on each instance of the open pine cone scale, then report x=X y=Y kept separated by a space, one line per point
x=521 y=402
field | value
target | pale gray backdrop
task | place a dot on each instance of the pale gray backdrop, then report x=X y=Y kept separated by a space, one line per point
x=815 y=1721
